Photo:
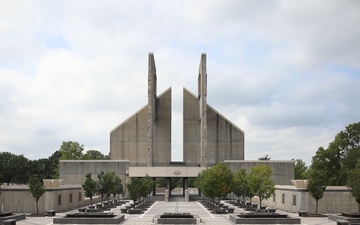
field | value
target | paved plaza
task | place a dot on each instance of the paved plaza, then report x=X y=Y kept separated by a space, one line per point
x=159 y=207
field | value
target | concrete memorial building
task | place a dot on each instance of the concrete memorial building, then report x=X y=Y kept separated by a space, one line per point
x=142 y=144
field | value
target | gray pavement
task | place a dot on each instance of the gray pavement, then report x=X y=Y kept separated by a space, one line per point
x=159 y=207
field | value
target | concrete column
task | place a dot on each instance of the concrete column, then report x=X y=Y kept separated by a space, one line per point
x=168 y=185
x=154 y=188
x=202 y=86
x=151 y=108
x=185 y=185
x=166 y=195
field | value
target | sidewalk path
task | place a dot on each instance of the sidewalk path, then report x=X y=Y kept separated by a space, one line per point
x=160 y=207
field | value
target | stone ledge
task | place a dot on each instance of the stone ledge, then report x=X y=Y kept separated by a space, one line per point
x=64 y=220
x=238 y=220
x=15 y=216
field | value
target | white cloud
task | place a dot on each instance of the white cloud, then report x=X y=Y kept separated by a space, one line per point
x=285 y=72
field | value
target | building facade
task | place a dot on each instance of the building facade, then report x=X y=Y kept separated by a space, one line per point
x=141 y=145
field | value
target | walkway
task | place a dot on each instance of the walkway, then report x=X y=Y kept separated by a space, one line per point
x=160 y=207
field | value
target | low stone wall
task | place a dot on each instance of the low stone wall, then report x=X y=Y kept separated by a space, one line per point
x=18 y=199
x=238 y=220
x=93 y=220
x=291 y=199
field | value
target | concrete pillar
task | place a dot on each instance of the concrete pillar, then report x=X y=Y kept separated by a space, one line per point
x=166 y=195
x=168 y=185
x=154 y=188
x=186 y=195
x=202 y=86
x=151 y=108
x=185 y=185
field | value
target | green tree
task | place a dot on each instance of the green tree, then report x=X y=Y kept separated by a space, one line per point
x=37 y=189
x=135 y=187
x=101 y=186
x=161 y=182
x=354 y=183
x=340 y=157
x=105 y=184
x=89 y=187
x=13 y=168
x=300 y=169
x=198 y=180
x=217 y=181
x=55 y=163
x=147 y=186
x=71 y=150
x=108 y=183
x=240 y=187
x=328 y=161
x=118 y=187
x=316 y=185
x=261 y=183
x=45 y=168
x=93 y=155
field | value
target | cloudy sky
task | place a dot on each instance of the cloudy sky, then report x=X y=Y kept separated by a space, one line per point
x=286 y=72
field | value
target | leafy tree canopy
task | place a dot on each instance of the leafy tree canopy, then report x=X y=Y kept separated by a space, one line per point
x=261 y=183
x=13 y=168
x=354 y=183
x=217 y=181
x=135 y=188
x=93 y=155
x=240 y=187
x=340 y=157
x=37 y=189
x=89 y=187
x=71 y=150
x=316 y=185
x=300 y=169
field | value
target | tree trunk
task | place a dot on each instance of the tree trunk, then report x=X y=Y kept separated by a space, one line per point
x=316 y=212
x=37 y=207
x=91 y=201
x=260 y=201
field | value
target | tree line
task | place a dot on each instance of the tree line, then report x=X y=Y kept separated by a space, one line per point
x=336 y=165
x=107 y=184
x=219 y=181
x=17 y=169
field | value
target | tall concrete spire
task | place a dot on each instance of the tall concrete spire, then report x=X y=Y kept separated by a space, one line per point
x=151 y=108
x=202 y=86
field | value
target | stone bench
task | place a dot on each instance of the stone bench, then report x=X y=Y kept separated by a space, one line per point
x=9 y=222
x=123 y=210
x=134 y=211
x=270 y=210
x=219 y=211
x=50 y=213
x=342 y=222
x=303 y=213
x=230 y=210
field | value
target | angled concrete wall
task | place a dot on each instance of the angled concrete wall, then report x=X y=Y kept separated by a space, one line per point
x=129 y=140
x=161 y=153
x=191 y=130
x=225 y=141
